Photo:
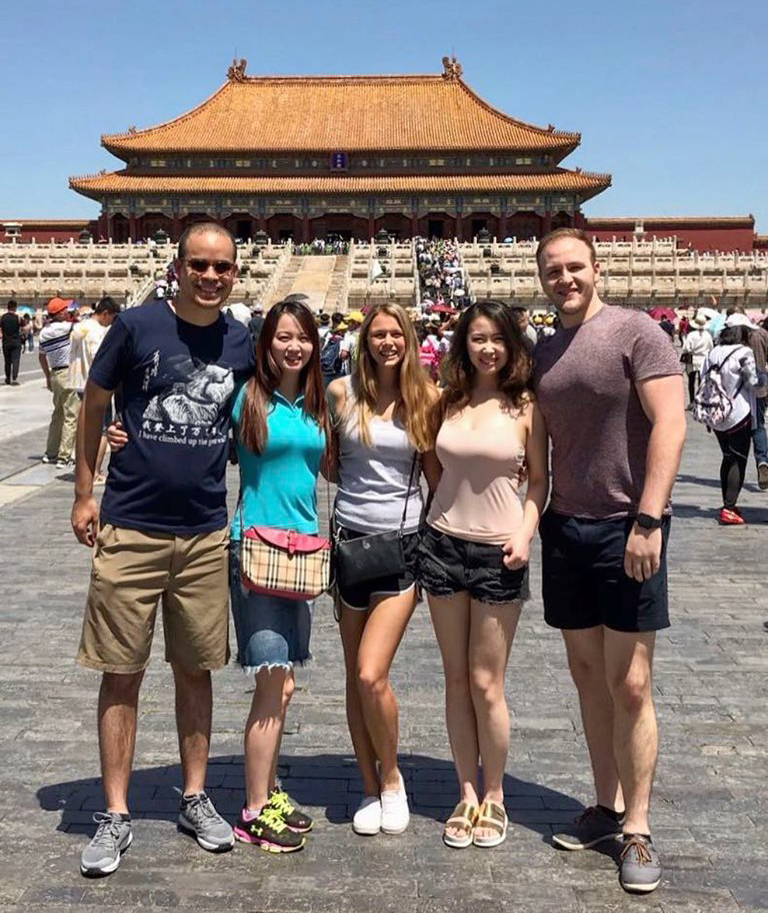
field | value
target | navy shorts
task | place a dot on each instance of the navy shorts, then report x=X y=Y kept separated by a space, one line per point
x=583 y=579
x=358 y=595
x=448 y=565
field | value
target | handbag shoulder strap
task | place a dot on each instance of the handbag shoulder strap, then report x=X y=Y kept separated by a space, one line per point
x=240 y=512
x=414 y=461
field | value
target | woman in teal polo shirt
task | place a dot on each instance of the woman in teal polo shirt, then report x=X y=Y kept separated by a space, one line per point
x=282 y=431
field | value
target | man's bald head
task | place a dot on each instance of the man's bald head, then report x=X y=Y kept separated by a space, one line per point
x=204 y=228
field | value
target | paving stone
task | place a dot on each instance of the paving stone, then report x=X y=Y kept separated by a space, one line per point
x=710 y=805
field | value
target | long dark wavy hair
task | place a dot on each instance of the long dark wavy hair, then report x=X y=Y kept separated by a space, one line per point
x=252 y=429
x=458 y=372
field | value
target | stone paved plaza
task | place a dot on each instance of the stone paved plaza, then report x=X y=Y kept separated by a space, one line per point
x=710 y=803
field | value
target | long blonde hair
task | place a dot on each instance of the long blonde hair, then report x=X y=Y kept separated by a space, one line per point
x=416 y=395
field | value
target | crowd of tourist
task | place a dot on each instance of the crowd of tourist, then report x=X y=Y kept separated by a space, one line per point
x=322 y=246
x=347 y=397
x=69 y=336
x=18 y=329
x=724 y=355
x=441 y=276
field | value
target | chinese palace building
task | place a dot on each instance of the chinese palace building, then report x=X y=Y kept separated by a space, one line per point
x=311 y=156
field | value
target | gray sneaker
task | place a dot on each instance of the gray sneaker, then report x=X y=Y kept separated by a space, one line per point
x=640 y=869
x=198 y=817
x=112 y=838
x=590 y=827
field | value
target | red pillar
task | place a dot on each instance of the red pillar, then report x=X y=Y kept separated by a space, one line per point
x=547 y=222
x=305 y=230
x=132 y=227
x=110 y=227
x=414 y=226
x=459 y=223
x=502 y=226
x=371 y=226
x=176 y=229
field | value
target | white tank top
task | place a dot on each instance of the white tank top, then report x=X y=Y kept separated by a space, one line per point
x=373 y=481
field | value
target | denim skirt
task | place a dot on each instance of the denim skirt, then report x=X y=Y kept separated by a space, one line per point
x=272 y=632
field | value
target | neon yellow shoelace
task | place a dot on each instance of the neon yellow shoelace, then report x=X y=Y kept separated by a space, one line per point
x=273 y=818
x=281 y=802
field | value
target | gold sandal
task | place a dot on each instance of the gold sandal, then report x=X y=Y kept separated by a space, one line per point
x=493 y=817
x=464 y=817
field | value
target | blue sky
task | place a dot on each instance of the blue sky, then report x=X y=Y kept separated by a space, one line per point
x=669 y=95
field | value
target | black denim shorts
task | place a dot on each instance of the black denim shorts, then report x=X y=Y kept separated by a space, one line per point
x=583 y=580
x=449 y=565
x=358 y=596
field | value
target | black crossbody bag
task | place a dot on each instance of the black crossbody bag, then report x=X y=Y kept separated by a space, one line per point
x=377 y=555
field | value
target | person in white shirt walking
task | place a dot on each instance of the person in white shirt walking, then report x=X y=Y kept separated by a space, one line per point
x=734 y=361
x=695 y=347
x=54 y=360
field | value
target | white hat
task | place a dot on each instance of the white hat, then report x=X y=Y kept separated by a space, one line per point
x=739 y=320
x=701 y=320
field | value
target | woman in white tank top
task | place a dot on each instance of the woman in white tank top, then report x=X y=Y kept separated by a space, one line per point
x=475 y=550
x=381 y=417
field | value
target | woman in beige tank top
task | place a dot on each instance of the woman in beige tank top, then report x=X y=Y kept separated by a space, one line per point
x=475 y=550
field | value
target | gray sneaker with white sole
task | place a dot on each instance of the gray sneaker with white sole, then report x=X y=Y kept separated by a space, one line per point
x=198 y=817
x=112 y=838
x=640 y=868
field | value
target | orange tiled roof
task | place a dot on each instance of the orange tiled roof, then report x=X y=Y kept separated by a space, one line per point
x=133 y=183
x=341 y=113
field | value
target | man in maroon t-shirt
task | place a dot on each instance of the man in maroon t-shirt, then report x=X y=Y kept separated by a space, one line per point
x=608 y=385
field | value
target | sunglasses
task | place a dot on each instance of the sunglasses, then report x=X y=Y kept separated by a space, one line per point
x=220 y=267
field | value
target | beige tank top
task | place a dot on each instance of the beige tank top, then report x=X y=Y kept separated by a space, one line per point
x=477 y=496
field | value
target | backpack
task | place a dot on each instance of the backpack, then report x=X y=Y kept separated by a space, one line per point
x=330 y=355
x=712 y=405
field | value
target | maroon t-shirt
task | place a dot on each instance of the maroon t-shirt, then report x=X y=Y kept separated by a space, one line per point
x=585 y=384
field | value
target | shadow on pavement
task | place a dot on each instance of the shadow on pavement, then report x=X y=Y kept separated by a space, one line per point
x=314 y=781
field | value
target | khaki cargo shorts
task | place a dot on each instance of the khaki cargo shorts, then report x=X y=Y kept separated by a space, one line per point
x=132 y=570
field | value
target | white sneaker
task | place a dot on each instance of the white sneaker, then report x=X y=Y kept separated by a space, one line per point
x=394 y=810
x=367 y=819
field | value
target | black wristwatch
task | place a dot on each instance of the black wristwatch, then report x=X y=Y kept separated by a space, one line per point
x=646 y=521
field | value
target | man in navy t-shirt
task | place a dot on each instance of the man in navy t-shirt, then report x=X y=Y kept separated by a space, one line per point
x=161 y=532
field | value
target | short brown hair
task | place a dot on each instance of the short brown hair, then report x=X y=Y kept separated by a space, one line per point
x=566 y=233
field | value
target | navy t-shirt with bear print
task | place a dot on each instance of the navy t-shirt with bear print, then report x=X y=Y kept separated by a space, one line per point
x=174 y=384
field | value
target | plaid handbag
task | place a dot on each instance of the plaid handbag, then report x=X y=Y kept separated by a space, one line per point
x=282 y=562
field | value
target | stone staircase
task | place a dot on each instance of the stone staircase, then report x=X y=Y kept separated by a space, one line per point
x=336 y=297
x=321 y=279
x=286 y=282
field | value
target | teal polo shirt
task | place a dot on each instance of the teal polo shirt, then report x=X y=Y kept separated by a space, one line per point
x=278 y=486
